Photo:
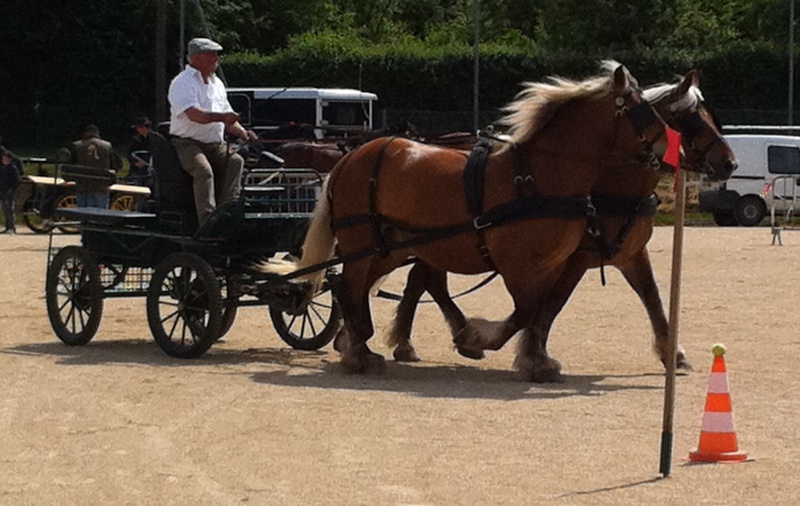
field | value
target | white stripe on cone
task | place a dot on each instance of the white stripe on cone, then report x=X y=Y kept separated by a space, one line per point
x=718 y=383
x=717 y=422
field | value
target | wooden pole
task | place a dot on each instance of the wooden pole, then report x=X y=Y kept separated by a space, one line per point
x=674 y=311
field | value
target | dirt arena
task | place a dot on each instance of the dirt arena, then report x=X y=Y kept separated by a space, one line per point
x=252 y=422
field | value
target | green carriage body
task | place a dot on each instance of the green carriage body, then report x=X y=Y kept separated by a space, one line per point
x=129 y=254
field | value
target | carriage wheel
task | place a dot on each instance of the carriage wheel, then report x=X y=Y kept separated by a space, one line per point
x=123 y=203
x=74 y=295
x=68 y=201
x=36 y=223
x=184 y=305
x=32 y=219
x=313 y=327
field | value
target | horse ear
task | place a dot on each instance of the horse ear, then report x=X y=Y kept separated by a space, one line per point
x=621 y=77
x=690 y=79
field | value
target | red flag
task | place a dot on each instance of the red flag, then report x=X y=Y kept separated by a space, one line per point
x=672 y=156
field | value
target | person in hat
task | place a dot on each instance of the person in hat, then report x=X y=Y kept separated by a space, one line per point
x=140 y=152
x=93 y=152
x=200 y=115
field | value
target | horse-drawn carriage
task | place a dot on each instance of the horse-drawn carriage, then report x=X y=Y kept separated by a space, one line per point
x=43 y=194
x=194 y=278
x=570 y=189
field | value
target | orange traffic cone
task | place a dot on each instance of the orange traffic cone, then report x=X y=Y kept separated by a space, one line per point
x=717 y=436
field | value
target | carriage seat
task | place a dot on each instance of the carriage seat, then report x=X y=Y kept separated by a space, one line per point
x=172 y=198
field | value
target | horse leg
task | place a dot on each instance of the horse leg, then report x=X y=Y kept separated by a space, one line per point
x=639 y=274
x=423 y=277
x=532 y=359
x=436 y=284
x=400 y=332
x=353 y=297
x=477 y=334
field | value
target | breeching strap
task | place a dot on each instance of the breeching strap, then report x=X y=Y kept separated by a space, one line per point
x=474 y=172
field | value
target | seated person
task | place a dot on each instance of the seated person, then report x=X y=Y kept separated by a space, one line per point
x=200 y=114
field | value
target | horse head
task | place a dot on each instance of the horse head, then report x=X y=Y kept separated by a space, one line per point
x=647 y=125
x=608 y=114
x=682 y=106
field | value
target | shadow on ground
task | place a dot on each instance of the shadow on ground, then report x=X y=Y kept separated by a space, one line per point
x=286 y=367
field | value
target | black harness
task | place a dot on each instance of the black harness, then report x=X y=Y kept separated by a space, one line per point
x=522 y=208
x=526 y=205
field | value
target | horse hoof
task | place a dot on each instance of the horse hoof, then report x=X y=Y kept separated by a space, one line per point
x=539 y=369
x=683 y=363
x=340 y=341
x=473 y=354
x=351 y=365
x=405 y=355
x=374 y=364
x=363 y=364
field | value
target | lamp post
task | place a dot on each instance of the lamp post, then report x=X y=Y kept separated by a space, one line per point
x=181 y=42
x=791 y=64
x=161 y=60
x=476 y=55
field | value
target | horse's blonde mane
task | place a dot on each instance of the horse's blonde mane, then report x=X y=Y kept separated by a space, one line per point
x=687 y=102
x=538 y=101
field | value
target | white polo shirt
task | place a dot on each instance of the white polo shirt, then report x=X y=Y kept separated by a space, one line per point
x=188 y=90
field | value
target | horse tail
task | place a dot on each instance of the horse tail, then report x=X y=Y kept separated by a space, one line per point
x=318 y=245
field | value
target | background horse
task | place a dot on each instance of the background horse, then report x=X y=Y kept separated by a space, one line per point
x=623 y=233
x=320 y=156
x=534 y=191
x=323 y=155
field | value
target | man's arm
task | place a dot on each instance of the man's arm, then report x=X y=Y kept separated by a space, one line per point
x=231 y=120
x=205 y=117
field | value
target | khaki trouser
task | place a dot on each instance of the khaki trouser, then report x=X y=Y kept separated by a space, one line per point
x=216 y=175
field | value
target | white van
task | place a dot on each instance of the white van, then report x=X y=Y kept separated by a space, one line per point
x=769 y=166
x=320 y=112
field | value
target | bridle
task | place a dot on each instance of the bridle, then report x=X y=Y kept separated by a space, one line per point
x=631 y=104
x=691 y=124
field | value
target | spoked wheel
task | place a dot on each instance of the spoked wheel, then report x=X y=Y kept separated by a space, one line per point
x=184 y=305
x=33 y=220
x=123 y=203
x=74 y=295
x=67 y=201
x=310 y=327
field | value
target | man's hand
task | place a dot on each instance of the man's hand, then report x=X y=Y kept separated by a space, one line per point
x=250 y=136
x=230 y=118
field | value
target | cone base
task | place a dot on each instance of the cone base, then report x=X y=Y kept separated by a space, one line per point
x=698 y=456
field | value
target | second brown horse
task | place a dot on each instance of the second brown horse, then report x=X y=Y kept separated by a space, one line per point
x=619 y=237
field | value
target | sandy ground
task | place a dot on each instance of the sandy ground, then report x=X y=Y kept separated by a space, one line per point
x=252 y=422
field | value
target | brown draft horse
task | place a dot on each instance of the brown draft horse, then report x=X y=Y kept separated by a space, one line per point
x=392 y=199
x=320 y=156
x=622 y=239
